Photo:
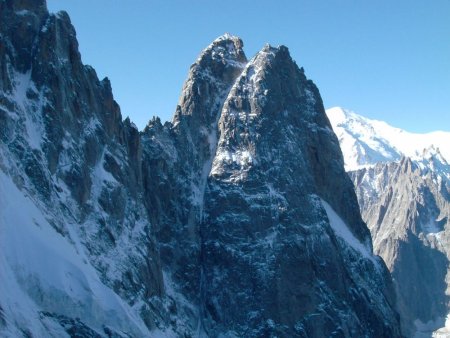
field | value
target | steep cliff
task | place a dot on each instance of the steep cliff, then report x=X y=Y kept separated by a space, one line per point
x=235 y=219
x=77 y=247
x=407 y=209
x=403 y=191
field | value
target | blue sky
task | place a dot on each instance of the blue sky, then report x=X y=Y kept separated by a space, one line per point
x=384 y=59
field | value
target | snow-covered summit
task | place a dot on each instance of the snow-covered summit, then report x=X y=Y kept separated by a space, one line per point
x=228 y=48
x=227 y=37
x=365 y=142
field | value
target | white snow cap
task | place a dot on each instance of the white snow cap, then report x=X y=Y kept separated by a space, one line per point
x=227 y=36
x=364 y=142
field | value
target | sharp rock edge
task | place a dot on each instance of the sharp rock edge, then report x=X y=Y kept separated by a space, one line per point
x=235 y=219
x=402 y=183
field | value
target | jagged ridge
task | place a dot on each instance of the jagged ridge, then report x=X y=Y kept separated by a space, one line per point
x=406 y=204
x=234 y=219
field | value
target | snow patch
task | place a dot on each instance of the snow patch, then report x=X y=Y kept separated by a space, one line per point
x=431 y=228
x=28 y=109
x=101 y=178
x=443 y=332
x=41 y=270
x=24 y=12
x=240 y=157
x=342 y=231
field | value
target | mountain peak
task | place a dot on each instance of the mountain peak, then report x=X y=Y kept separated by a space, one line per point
x=214 y=71
x=226 y=48
x=365 y=142
x=339 y=114
x=145 y=238
x=228 y=37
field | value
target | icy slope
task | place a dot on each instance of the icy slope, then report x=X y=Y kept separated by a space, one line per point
x=46 y=275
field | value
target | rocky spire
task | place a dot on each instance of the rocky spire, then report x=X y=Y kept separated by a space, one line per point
x=209 y=80
x=276 y=165
x=195 y=121
x=273 y=105
x=232 y=193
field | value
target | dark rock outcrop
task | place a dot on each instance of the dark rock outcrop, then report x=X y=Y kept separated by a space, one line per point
x=264 y=217
x=64 y=142
x=236 y=219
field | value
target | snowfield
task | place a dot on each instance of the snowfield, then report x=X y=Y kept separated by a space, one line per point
x=364 y=142
x=43 y=271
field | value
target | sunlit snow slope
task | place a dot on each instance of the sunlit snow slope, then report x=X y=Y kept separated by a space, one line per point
x=36 y=261
x=365 y=142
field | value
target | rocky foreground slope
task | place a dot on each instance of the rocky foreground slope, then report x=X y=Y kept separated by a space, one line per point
x=403 y=190
x=236 y=219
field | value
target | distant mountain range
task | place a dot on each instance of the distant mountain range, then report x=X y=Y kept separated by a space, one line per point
x=402 y=182
x=365 y=142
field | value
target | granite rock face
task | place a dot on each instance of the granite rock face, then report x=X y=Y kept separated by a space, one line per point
x=65 y=147
x=274 y=162
x=235 y=219
x=403 y=193
x=253 y=209
x=407 y=209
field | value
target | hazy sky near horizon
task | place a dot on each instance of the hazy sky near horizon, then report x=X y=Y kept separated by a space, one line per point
x=387 y=60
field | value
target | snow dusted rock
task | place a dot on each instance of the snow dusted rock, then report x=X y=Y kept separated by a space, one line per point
x=177 y=162
x=71 y=186
x=273 y=263
x=245 y=240
x=406 y=204
x=236 y=219
x=407 y=209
